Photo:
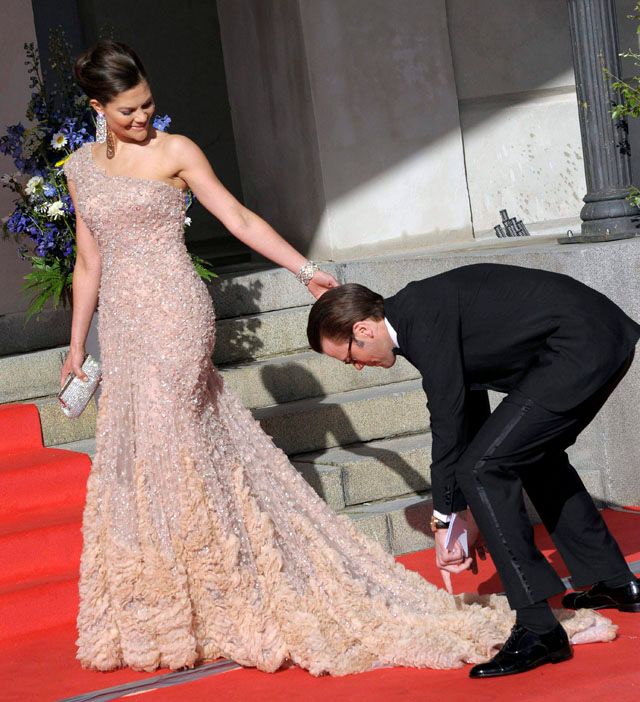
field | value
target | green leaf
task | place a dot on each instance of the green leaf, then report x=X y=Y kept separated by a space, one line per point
x=203 y=268
x=47 y=281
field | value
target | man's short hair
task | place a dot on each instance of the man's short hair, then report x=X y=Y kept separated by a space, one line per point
x=334 y=314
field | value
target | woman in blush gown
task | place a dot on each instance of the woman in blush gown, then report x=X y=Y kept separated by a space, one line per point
x=201 y=540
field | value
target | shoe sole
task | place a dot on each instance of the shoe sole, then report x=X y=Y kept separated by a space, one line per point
x=559 y=657
x=621 y=608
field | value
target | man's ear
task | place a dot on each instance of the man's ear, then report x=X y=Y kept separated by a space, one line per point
x=363 y=328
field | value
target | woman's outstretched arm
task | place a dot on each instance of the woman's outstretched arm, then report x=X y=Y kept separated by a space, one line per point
x=194 y=168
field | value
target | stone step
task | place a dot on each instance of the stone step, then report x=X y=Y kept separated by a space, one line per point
x=87 y=446
x=400 y=525
x=305 y=375
x=244 y=293
x=58 y=429
x=235 y=293
x=258 y=384
x=48 y=329
x=365 y=472
x=30 y=375
x=346 y=418
x=369 y=411
x=297 y=427
x=261 y=335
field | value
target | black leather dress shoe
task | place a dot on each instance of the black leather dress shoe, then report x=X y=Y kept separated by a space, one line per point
x=525 y=650
x=626 y=598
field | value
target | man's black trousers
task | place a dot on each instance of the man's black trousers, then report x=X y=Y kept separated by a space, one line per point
x=522 y=445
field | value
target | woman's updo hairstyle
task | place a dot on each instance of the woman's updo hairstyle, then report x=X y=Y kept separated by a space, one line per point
x=108 y=69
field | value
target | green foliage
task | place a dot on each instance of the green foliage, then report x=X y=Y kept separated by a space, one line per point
x=203 y=268
x=628 y=104
x=629 y=90
x=49 y=281
x=634 y=197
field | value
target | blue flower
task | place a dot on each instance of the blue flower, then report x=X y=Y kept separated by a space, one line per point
x=11 y=142
x=161 y=123
x=68 y=203
x=17 y=222
x=49 y=190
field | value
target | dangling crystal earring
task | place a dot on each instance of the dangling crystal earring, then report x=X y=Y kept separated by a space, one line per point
x=111 y=147
x=101 y=128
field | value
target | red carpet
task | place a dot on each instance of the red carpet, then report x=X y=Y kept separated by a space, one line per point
x=42 y=494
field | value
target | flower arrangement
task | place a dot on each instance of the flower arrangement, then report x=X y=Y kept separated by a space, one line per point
x=43 y=222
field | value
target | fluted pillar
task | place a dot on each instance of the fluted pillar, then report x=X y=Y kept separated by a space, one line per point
x=606 y=213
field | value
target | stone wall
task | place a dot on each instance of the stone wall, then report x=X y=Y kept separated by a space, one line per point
x=14 y=97
x=362 y=130
x=518 y=111
x=346 y=120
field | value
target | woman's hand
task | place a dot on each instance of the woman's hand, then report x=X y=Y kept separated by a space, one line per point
x=73 y=364
x=321 y=282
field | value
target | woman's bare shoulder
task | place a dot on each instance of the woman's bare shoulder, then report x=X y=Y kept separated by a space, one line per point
x=180 y=149
x=176 y=142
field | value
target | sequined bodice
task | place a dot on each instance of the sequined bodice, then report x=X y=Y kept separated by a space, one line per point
x=139 y=227
x=128 y=216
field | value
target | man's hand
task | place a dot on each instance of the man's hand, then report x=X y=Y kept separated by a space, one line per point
x=449 y=560
x=477 y=547
x=452 y=559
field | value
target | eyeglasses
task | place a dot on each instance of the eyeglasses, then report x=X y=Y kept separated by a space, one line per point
x=348 y=360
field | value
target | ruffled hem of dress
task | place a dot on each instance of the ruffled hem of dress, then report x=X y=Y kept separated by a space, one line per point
x=146 y=610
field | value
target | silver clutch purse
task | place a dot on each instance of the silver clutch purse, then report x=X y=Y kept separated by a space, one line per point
x=75 y=394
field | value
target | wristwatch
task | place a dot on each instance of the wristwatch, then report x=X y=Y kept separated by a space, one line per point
x=437 y=524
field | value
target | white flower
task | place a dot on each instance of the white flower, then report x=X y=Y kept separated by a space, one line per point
x=55 y=209
x=33 y=184
x=58 y=140
x=187 y=221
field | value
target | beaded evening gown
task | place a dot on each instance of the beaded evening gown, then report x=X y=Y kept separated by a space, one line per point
x=201 y=540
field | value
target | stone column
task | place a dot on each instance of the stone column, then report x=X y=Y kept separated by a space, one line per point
x=606 y=213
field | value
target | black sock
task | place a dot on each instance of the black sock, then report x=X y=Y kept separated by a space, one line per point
x=537 y=617
x=620 y=580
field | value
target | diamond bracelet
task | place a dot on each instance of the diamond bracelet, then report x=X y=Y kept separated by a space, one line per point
x=305 y=274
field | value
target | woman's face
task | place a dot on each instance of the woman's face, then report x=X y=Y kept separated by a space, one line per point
x=129 y=114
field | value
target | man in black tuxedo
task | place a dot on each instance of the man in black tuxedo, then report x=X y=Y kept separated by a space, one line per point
x=558 y=349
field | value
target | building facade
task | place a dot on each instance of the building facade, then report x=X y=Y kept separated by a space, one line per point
x=356 y=128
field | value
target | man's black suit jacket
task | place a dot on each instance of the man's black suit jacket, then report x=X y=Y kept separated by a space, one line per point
x=503 y=327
